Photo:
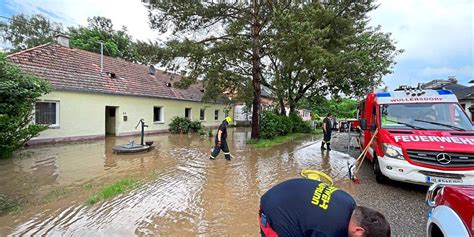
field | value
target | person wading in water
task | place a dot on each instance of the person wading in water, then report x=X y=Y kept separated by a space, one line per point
x=221 y=140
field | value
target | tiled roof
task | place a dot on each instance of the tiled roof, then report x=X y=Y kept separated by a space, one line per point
x=78 y=70
x=466 y=93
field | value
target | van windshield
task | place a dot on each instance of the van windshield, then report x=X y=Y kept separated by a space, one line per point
x=442 y=116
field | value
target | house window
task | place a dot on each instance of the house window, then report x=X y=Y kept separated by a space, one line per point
x=216 y=114
x=157 y=114
x=47 y=113
x=187 y=113
x=202 y=114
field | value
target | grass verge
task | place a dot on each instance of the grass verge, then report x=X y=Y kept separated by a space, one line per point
x=8 y=205
x=113 y=190
x=262 y=143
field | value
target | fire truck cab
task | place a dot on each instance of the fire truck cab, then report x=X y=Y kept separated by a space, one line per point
x=423 y=137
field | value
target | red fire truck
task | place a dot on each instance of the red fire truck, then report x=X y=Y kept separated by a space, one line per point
x=451 y=210
x=423 y=136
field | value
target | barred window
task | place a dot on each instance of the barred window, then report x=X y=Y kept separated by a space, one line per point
x=46 y=113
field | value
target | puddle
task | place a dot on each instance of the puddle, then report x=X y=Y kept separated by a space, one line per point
x=188 y=195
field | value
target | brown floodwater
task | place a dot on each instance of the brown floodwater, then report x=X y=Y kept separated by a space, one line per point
x=185 y=193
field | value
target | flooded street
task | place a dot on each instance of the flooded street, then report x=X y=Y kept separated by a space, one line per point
x=189 y=195
x=183 y=192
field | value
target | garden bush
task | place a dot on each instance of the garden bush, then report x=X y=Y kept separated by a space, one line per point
x=195 y=126
x=299 y=126
x=270 y=125
x=184 y=125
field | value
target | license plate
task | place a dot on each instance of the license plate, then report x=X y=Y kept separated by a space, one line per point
x=431 y=179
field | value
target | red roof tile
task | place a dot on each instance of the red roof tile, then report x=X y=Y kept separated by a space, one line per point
x=79 y=70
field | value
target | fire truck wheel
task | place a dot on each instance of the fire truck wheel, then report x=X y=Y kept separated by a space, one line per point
x=379 y=177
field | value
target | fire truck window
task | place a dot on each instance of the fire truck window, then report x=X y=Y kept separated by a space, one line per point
x=430 y=116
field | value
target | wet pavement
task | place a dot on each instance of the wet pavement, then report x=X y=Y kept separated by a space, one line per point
x=184 y=192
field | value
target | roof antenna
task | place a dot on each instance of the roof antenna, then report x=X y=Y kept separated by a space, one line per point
x=101 y=57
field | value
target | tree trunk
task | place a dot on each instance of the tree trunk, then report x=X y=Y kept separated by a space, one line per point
x=256 y=80
x=292 y=108
x=282 y=106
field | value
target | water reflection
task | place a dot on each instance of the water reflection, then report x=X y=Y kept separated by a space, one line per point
x=190 y=194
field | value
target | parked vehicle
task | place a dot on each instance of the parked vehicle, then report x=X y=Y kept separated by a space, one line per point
x=451 y=210
x=424 y=136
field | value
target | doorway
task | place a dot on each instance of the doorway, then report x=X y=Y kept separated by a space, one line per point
x=110 y=120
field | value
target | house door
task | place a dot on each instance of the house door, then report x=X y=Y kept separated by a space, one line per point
x=110 y=120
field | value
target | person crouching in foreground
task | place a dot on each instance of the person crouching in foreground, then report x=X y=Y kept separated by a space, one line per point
x=305 y=207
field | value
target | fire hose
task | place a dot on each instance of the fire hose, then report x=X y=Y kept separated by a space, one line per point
x=358 y=163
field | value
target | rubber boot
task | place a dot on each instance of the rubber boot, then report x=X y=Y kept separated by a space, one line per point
x=212 y=157
x=227 y=156
x=322 y=145
x=328 y=145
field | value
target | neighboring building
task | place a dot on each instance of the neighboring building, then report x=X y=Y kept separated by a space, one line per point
x=86 y=103
x=243 y=114
x=439 y=83
x=305 y=114
x=464 y=94
x=466 y=99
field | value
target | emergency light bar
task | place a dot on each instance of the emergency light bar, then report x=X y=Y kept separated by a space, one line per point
x=416 y=95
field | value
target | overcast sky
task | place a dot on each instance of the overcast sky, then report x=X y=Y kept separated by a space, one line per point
x=437 y=35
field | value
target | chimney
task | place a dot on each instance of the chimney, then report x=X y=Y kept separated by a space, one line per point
x=62 y=40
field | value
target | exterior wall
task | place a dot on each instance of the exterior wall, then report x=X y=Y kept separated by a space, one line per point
x=305 y=114
x=82 y=115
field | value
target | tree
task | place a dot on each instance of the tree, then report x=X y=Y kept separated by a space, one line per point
x=24 y=31
x=117 y=43
x=326 y=49
x=340 y=108
x=18 y=94
x=227 y=51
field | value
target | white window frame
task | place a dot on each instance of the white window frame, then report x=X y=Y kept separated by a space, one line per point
x=204 y=117
x=218 y=112
x=162 y=114
x=56 y=125
x=190 y=113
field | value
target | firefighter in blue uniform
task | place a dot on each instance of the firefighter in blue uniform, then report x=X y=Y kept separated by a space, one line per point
x=327 y=130
x=220 y=141
x=306 y=207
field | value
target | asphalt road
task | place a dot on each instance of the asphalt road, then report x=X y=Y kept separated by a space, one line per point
x=401 y=203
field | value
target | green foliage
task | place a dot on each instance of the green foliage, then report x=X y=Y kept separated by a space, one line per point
x=179 y=125
x=8 y=205
x=117 y=43
x=270 y=125
x=327 y=49
x=24 y=31
x=113 y=190
x=299 y=126
x=195 y=126
x=184 y=125
x=263 y=143
x=340 y=108
x=273 y=125
x=18 y=94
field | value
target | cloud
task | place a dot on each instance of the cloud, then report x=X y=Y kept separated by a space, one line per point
x=428 y=30
x=466 y=71
x=129 y=13
x=437 y=37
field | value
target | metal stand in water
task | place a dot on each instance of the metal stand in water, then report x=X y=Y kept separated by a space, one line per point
x=132 y=147
x=142 y=122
